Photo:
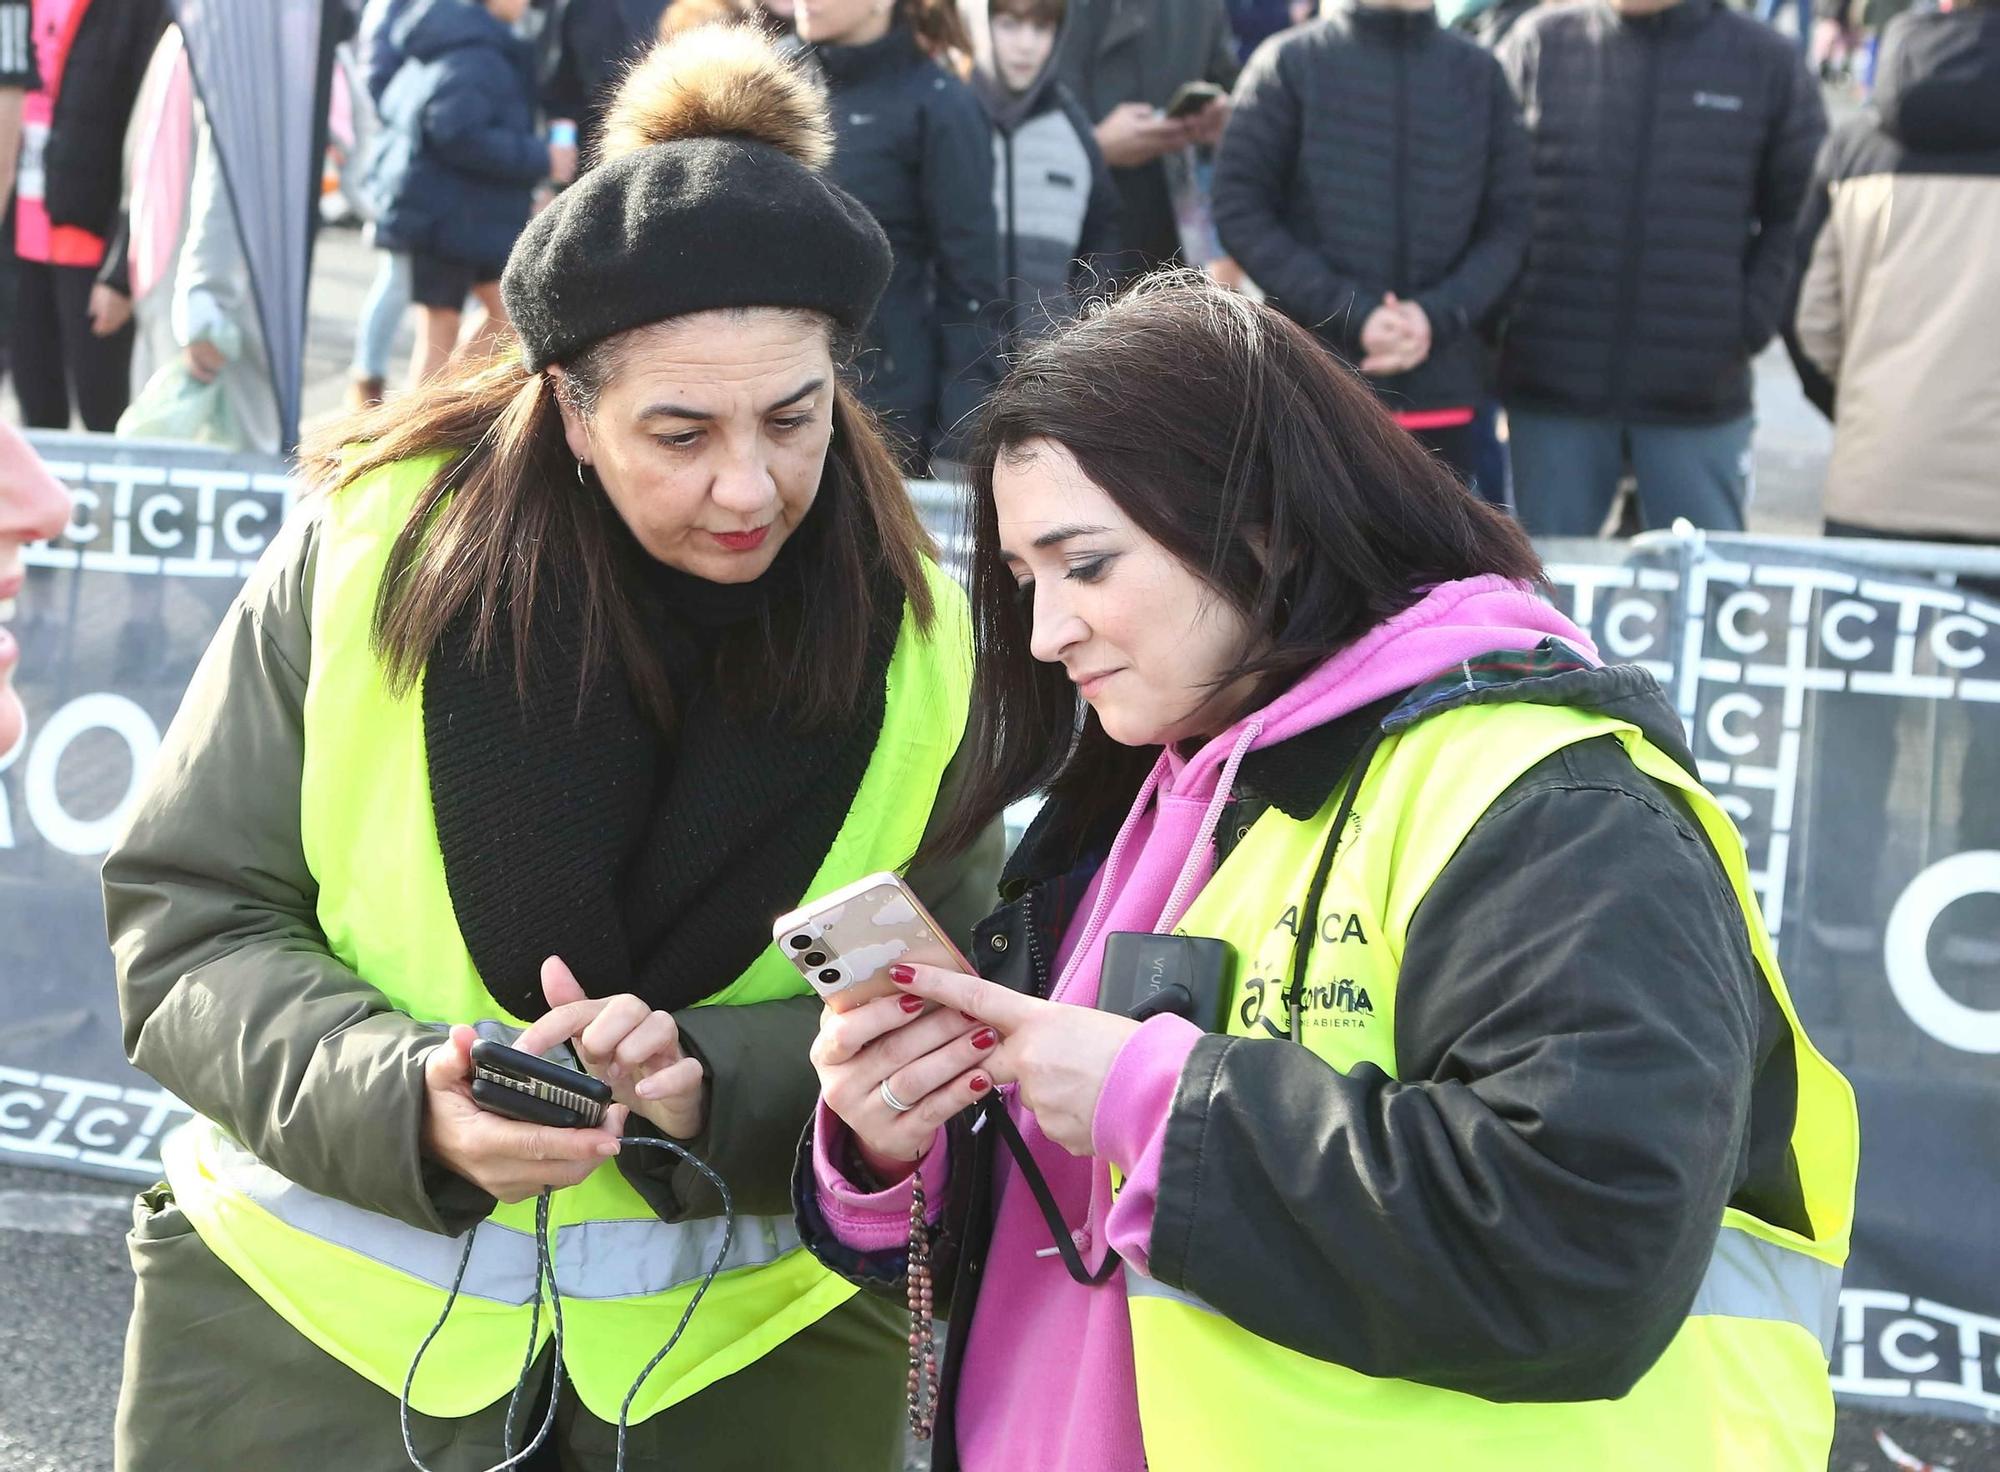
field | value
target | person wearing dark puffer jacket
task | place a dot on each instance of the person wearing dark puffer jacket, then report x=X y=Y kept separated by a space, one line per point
x=1374 y=182
x=459 y=158
x=914 y=147
x=1671 y=143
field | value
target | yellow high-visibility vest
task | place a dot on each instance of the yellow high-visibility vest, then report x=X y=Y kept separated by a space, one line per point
x=1742 y=1386
x=365 y=1287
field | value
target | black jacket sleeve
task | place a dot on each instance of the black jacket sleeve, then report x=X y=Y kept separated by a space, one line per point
x=1253 y=179
x=1783 y=174
x=1526 y=1214
x=1818 y=385
x=1470 y=295
x=957 y=185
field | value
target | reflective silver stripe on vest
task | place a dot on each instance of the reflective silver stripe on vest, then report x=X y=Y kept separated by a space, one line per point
x=618 y=1258
x=1747 y=1278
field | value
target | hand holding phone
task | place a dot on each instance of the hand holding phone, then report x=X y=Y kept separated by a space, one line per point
x=508 y=1158
x=1191 y=98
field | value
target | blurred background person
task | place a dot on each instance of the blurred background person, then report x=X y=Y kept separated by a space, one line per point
x=388 y=298
x=1052 y=191
x=913 y=146
x=586 y=47
x=1671 y=142
x=34 y=507
x=194 y=316
x=18 y=77
x=1898 y=304
x=1374 y=182
x=72 y=344
x=457 y=163
x=1124 y=60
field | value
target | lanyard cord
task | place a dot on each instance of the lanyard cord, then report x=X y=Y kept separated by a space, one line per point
x=1308 y=931
x=545 y=1276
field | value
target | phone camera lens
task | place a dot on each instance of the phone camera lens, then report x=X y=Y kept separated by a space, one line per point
x=815 y=958
x=829 y=976
x=801 y=942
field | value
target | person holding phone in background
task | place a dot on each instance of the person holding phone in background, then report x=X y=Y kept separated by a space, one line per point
x=1124 y=60
x=1485 y=1136
x=583 y=663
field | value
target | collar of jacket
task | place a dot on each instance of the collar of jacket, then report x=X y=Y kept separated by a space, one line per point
x=847 y=65
x=1299 y=775
x=1393 y=27
x=1676 y=20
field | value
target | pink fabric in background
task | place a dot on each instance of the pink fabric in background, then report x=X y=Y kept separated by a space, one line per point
x=162 y=165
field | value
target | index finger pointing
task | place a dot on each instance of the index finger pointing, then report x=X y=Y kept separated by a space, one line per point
x=986 y=1000
x=558 y=1024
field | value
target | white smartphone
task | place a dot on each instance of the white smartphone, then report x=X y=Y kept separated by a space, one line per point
x=844 y=943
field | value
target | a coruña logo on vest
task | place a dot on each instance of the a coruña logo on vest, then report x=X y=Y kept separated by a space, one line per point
x=1269 y=1002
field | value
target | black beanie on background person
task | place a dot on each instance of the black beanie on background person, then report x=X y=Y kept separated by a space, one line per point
x=709 y=194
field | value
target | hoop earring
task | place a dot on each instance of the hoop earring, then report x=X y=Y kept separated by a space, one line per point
x=579 y=476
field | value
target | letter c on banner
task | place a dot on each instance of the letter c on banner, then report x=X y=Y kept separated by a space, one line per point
x=1839 y=644
x=86 y=837
x=1902 y=1360
x=1726 y=741
x=1743 y=641
x=1622 y=613
x=1957 y=656
x=1906 y=958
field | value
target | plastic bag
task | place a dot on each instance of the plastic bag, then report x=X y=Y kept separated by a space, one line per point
x=175 y=405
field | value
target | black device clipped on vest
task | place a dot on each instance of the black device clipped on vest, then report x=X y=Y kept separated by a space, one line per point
x=1145 y=975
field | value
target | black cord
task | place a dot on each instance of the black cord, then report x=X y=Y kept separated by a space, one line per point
x=545 y=1276
x=1308 y=931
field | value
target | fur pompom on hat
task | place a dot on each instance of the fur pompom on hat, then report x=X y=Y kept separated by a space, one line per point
x=708 y=194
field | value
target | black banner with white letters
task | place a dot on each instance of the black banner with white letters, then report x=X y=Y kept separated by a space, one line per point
x=1847 y=718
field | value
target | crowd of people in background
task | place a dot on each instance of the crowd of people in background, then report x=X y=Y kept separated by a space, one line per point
x=1551 y=237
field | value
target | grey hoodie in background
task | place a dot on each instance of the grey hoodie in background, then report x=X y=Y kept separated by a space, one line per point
x=1053 y=194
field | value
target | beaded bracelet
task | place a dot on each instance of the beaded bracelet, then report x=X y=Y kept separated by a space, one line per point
x=923 y=1378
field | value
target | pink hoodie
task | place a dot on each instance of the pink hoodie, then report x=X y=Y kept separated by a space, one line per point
x=1047 y=1379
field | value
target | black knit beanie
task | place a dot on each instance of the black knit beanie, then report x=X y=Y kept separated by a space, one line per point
x=709 y=194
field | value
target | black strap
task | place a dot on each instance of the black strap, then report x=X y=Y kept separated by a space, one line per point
x=1308 y=931
x=998 y=1118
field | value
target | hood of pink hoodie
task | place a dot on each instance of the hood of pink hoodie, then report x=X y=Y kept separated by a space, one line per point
x=1162 y=855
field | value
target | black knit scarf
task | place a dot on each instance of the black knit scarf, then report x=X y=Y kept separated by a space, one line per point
x=651 y=864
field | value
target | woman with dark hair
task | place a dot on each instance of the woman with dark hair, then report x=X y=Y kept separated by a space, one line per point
x=913 y=146
x=1378 y=987
x=585 y=663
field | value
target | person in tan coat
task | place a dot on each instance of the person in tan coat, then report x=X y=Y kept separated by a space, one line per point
x=1898 y=301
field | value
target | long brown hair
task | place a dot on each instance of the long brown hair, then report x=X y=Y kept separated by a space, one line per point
x=1232 y=438
x=941 y=31
x=505 y=520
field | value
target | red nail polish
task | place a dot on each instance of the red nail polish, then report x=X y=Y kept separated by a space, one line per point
x=985 y=1038
x=980 y=1083
x=902 y=975
x=910 y=1004
x=968 y=1017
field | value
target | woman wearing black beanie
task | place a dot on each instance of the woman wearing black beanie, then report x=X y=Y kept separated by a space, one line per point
x=584 y=663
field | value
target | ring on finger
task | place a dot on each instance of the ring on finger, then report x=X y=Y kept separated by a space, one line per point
x=889 y=1097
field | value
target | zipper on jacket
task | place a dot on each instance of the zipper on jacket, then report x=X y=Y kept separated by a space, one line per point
x=1038 y=966
x=1402 y=173
x=1628 y=285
